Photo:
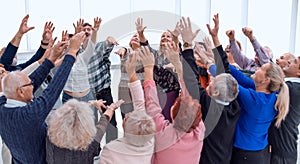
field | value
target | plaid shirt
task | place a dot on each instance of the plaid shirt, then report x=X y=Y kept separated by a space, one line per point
x=99 y=67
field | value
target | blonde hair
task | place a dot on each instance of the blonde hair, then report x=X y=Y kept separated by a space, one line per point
x=277 y=83
x=72 y=126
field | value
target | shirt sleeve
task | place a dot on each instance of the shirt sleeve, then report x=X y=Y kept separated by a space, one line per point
x=260 y=52
x=137 y=95
x=152 y=105
x=243 y=61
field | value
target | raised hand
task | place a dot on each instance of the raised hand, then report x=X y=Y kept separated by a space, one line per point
x=230 y=34
x=64 y=36
x=214 y=32
x=99 y=104
x=209 y=48
x=131 y=64
x=48 y=31
x=139 y=25
x=75 y=43
x=172 y=54
x=79 y=26
x=23 y=26
x=121 y=52
x=186 y=30
x=57 y=50
x=111 y=41
x=248 y=32
x=146 y=57
x=97 y=23
x=206 y=56
x=110 y=110
x=176 y=30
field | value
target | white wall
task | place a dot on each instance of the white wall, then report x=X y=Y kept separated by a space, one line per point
x=270 y=19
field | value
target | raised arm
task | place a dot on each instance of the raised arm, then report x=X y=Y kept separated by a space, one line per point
x=52 y=92
x=260 y=52
x=13 y=45
x=105 y=118
x=38 y=77
x=242 y=60
x=140 y=29
x=135 y=86
x=97 y=23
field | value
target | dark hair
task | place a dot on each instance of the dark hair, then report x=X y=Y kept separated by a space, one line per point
x=86 y=24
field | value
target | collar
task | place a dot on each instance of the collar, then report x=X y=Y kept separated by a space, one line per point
x=222 y=102
x=10 y=103
x=292 y=79
x=1 y=94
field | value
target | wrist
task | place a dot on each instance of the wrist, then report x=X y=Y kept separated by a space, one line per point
x=133 y=78
x=72 y=52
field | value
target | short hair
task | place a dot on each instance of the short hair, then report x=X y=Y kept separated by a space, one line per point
x=11 y=82
x=70 y=35
x=86 y=24
x=186 y=113
x=72 y=126
x=139 y=127
x=227 y=86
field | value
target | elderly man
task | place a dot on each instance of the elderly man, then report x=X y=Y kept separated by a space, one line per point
x=283 y=140
x=22 y=116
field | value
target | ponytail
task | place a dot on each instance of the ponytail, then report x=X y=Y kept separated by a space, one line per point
x=282 y=104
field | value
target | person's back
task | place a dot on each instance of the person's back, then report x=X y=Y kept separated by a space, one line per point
x=18 y=122
x=120 y=151
x=22 y=116
x=283 y=140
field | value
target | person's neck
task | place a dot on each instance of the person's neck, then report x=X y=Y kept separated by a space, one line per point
x=84 y=44
x=262 y=89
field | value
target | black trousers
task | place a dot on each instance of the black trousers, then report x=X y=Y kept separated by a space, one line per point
x=240 y=156
x=111 y=131
x=278 y=159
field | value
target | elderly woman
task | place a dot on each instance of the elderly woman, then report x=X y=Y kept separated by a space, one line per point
x=137 y=145
x=73 y=136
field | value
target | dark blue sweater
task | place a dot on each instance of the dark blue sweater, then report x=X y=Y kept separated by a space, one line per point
x=23 y=128
x=9 y=54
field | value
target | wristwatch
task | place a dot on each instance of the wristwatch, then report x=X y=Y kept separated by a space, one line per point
x=186 y=44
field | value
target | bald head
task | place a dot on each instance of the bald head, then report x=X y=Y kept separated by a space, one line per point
x=282 y=61
x=13 y=86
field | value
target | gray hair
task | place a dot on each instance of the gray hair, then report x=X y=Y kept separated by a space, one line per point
x=139 y=127
x=11 y=82
x=227 y=87
x=72 y=126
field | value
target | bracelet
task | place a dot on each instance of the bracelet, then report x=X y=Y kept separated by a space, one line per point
x=44 y=44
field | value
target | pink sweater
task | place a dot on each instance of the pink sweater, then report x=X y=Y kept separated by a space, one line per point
x=171 y=145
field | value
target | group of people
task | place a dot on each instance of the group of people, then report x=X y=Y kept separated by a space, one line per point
x=180 y=103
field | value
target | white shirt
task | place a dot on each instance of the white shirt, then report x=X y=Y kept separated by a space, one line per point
x=78 y=79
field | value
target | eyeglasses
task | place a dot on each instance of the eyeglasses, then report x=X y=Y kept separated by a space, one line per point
x=25 y=85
